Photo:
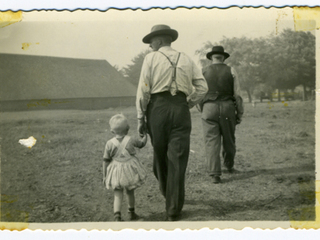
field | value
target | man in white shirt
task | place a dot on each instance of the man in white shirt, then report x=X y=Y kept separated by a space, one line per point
x=170 y=84
x=222 y=109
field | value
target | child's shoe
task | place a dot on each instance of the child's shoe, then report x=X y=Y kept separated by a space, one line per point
x=132 y=214
x=117 y=217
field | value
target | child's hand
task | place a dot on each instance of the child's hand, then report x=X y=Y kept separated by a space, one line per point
x=145 y=138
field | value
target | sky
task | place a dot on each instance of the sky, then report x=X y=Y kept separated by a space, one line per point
x=116 y=35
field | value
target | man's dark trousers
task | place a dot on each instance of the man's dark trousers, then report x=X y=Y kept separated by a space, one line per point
x=169 y=126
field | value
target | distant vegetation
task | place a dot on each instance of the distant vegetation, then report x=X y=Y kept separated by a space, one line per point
x=280 y=62
x=132 y=71
x=266 y=66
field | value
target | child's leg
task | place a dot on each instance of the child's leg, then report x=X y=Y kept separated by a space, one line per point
x=131 y=202
x=131 y=199
x=118 y=196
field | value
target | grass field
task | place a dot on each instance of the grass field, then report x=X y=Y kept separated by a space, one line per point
x=60 y=178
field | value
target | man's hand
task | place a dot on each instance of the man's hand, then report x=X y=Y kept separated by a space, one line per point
x=191 y=104
x=142 y=127
x=238 y=120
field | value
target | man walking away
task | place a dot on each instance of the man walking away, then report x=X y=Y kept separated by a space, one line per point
x=165 y=94
x=222 y=109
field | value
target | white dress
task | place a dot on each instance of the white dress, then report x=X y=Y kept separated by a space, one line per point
x=125 y=170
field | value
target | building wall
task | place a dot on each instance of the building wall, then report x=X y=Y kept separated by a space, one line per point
x=79 y=103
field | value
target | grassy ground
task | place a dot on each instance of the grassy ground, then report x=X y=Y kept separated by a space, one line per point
x=60 y=178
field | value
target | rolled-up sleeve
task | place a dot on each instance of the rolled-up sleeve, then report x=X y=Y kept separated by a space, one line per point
x=236 y=82
x=237 y=96
x=200 y=86
x=143 y=92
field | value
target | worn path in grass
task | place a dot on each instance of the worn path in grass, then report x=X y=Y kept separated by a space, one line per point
x=60 y=178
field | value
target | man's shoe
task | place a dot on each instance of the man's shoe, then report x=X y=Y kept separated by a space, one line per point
x=216 y=180
x=232 y=170
x=172 y=218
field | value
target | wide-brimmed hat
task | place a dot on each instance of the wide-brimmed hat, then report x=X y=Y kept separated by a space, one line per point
x=160 y=29
x=217 y=50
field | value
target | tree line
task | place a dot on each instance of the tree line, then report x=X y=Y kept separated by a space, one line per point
x=276 y=62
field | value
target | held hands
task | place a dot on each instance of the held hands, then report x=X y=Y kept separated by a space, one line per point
x=142 y=127
x=144 y=138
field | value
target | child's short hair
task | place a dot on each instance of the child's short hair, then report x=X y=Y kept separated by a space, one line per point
x=119 y=124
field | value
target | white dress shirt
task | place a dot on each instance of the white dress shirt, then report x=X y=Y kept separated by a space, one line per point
x=156 y=76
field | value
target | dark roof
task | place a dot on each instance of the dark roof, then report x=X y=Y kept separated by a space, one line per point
x=24 y=77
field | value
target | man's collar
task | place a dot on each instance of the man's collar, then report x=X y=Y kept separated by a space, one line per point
x=165 y=48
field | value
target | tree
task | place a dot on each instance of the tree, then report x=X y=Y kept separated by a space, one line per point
x=132 y=71
x=242 y=51
x=289 y=61
x=296 y=54
x=276 y=62
x=120 y=70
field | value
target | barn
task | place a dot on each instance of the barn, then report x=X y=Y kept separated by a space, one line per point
x=30 y=82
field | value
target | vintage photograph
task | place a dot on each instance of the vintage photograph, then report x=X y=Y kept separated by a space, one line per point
x=163 y=116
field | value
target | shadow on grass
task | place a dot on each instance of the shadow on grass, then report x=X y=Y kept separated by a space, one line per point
x=276 y=208
x=241 y=175
x=156 y=217
x=215 y=210
x=300 y=206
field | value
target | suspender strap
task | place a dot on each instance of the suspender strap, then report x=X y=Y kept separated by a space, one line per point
x=175 y=69
x=121 y=146
x=174 y=65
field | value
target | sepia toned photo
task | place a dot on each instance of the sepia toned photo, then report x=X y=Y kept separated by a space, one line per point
x=166 y=118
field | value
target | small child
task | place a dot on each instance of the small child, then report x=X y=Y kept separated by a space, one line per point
x=121 y=169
